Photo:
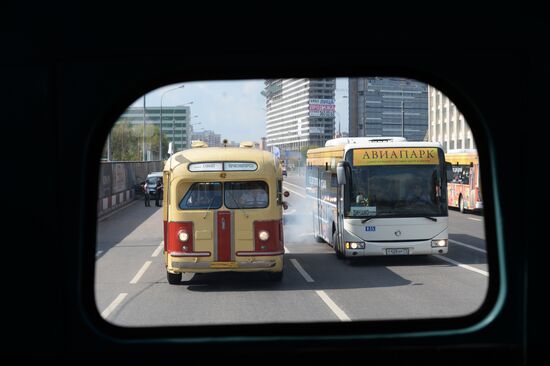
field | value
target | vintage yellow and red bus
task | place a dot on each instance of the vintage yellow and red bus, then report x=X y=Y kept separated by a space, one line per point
x=223 y=211
x=464 y=185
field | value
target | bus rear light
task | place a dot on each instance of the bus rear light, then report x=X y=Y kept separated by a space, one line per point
x=183 y=236
x=179 y=237
x=267 y=236
x=263 y=235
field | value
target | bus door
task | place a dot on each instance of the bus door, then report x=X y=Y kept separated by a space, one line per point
x=224 y=237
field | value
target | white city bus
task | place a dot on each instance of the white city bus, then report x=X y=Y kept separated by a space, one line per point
x=379 y=196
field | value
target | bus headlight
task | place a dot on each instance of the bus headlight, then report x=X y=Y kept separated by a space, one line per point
x=263 y=235
x=355 y=245
x=439 y=243
x=183 y=236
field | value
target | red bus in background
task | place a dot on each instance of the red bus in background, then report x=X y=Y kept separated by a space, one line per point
x=463 y=181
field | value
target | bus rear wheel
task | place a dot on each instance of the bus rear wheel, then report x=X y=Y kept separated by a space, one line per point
x=173 y=278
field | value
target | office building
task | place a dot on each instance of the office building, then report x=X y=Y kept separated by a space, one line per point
x=175 y=124
x=299 y=112
x=384 y=106
x=210 y=137
x=446 y=124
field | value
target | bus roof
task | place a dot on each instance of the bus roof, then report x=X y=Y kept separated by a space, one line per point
x=462 y=156
x=220 y=154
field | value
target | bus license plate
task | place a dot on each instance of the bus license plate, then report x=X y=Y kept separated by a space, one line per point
x=397 y=251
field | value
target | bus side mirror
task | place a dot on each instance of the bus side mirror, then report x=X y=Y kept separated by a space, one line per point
x=341 y=169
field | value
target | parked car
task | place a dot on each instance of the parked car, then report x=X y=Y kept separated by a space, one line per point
x=152 y=180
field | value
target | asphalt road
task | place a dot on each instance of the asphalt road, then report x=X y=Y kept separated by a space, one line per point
x=131 y=287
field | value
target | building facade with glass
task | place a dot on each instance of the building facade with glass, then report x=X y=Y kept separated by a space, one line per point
x=446 y=124
x=299 y=112
x=388 y=107
x=175 y=123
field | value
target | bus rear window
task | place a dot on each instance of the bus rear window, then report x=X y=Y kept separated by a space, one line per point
x=246 y=195
x=202 y=196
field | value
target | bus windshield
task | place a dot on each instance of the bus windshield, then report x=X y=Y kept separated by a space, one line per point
x=395 y=191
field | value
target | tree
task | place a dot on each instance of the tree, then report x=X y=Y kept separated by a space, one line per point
x=127 y=141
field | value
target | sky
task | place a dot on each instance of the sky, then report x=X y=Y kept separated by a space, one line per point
x=234 y=109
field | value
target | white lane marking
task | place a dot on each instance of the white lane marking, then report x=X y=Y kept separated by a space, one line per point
x=113 y=305
x=467 y=245
x=465 y=266
x=299 y=194
x=301 y=270
x=286 y=250
x=332 y=305
x=289 y=212
x=159 y=248
x=474 y=219
x=304 y=234
x=140 y=272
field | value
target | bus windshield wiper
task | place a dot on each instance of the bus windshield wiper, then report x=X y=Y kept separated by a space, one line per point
x=434 y=219
x=237 y=204
x=209 y=205
x=369 y=218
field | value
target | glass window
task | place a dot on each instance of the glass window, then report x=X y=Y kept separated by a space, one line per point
x=153 y=181
x=461 y=174
x=246 y=195
x=202 y=196
x=396 y=191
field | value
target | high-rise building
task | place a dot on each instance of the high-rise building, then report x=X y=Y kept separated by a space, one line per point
x=299 y=112
x=383 y=106
x=210 y=137
x=446 y=124
x=175 y=123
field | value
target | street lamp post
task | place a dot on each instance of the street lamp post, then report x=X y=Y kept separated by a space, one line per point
x=143 y=143
x=160 y=132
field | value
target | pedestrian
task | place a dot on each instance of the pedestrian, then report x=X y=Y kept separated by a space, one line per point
x=146 y=194
x=158 y=196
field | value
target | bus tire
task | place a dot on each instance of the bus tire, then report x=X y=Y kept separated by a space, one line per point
x=173 y=278
x=339 y=254
x=275 y=276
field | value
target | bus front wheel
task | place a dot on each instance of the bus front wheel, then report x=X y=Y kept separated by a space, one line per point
x=336 y=245
x=173 y=278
